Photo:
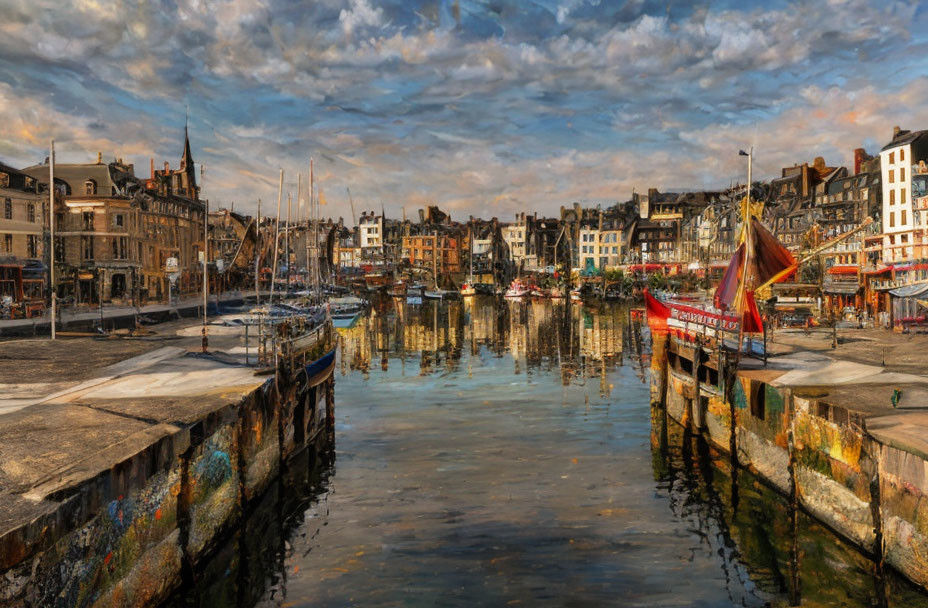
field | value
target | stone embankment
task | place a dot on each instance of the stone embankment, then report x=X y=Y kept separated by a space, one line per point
x=841 y=432
x=124 y=461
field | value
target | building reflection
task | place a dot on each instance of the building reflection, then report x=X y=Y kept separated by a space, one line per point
x=579 y=342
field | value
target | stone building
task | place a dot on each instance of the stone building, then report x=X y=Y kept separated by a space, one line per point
x=24 y=217
x=124 y=240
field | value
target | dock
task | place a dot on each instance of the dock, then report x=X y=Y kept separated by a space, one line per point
x=836 y=422
x=126 y=458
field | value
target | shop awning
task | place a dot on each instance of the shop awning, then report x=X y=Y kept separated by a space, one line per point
x=909 y=291
x=843 y=269
x=879 y=270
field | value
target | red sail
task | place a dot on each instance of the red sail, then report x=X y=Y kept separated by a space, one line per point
x=727 y=291
x=771 y=260
x=658 y=313
x=751 y=322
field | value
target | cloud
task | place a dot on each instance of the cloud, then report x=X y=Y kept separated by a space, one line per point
x=501 y=105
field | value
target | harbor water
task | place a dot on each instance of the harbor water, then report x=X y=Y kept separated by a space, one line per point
x=493 y=452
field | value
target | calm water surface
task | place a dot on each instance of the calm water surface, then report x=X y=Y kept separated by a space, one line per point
x=500 y=453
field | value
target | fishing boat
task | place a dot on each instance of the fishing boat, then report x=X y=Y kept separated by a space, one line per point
x=518 y=289
x=758 y=262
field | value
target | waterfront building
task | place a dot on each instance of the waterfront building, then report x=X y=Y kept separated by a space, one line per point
x=370 y=230
x=24 y=216
x=439 y=252
x=791 y=201
x=904 y=222
x=514 y=235
x=121 y=239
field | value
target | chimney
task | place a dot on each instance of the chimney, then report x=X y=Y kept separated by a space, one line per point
x=152 y=168
x=896 y=130
x=860 y=155
x=99 y=158
x=167 y=168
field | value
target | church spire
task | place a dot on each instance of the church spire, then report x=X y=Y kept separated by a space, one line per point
x=187 y=159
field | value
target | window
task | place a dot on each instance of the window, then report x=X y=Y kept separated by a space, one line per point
x=8 y=209
x=901 y=155
x=120 y=248
x=59 y=249
x=30 y=212
x=892 y=218
x=902 y=175
x=892 y=158
x=902 y=198
x=119 y=220
x=32 y=246
x=892 y=175
x=87 y=218
x=902 y=218
x=87 y=247
x=8 y=243
x=892 y=197
x=90 y=187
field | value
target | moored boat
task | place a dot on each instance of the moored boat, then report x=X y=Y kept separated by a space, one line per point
x=518 y=289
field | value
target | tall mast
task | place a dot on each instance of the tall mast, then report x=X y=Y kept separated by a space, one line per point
x=258 y=256
x=287 y=245
x=280 y=193
x=51 y=230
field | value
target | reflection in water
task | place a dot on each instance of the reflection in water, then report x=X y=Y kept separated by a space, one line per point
x=539 y=336
x=495 y=452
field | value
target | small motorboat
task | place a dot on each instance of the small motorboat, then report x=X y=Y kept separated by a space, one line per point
x=415 y=293
x=518 y=289
x=440 y=294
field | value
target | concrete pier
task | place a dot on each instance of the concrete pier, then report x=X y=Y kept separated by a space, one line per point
x=123 y=462
x=820 y=425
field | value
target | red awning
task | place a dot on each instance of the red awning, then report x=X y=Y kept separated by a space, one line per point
x=843 y=269
x=879 y=270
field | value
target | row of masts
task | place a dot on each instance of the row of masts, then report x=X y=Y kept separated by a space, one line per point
x=312 y=229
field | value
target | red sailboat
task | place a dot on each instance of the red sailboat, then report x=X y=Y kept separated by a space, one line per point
x=759 y=261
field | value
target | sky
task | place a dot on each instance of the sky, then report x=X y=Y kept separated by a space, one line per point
x=483 y=107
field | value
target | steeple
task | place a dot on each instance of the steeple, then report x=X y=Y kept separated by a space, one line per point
x=187 y=158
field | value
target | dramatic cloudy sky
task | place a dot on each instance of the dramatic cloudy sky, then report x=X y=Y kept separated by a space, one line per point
x=480 y=106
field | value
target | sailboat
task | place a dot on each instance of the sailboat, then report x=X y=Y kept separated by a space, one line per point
x=759 y=261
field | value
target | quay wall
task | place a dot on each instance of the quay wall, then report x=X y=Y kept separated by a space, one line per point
x=141 y=528
x=817 y=454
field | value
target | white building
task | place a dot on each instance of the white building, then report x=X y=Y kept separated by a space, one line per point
x=905 y=216
x=515 y=235
x=371 y=232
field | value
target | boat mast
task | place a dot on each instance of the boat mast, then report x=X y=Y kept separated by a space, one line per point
x=280 y=193
x=258 y=256
x=287 y=240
